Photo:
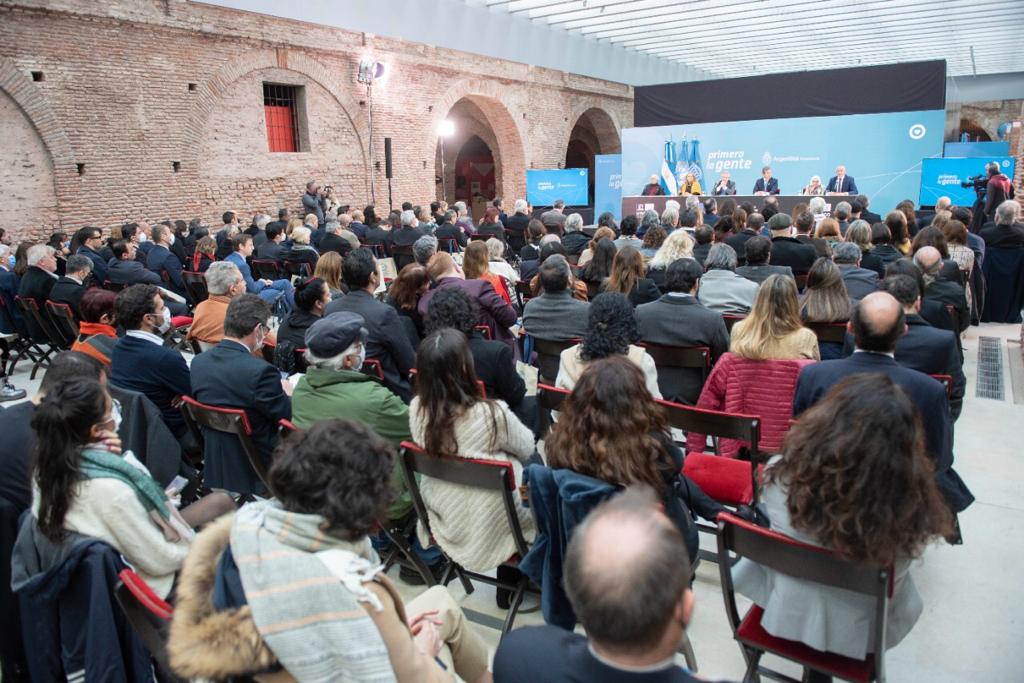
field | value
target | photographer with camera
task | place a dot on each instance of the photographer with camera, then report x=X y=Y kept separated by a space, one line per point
x=998 y=189
x=314 y=202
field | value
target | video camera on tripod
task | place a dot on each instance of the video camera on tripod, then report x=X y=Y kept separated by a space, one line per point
x=978 y=182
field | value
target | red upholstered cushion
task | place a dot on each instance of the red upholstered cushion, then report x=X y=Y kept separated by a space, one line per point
x=725 y=479
x=181 y=321
x=750 y=632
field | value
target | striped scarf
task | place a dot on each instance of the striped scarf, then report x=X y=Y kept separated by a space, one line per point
x=308 y=616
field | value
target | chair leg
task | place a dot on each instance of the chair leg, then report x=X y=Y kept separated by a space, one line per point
x=686 y=647
x=517 y=600
x=399 y=546
x=753 y=658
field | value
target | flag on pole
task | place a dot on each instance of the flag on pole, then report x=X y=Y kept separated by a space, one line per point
x=695 y=165
x=668 y=165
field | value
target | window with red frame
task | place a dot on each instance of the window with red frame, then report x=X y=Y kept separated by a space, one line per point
x=280 y=106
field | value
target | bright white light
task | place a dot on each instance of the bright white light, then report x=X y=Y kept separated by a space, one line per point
x=447 y=128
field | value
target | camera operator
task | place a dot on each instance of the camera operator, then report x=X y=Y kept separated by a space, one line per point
x=314 y=202
x=997 y=190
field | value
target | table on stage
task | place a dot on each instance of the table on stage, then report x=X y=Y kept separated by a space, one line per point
x=637 y=205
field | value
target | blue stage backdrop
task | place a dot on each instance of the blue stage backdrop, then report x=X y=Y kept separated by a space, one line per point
x=882 y=152
x=608 y=185
x=977 y=149
x=942 y=177
x=569 y=184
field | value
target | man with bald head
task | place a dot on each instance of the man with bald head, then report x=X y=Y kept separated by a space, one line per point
x=936 y=288
x=627 y=575
x=877 y=324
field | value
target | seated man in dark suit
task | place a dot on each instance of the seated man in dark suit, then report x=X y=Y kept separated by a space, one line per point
x=574 y=239
x=766 y=183
x=448 y=230
x=142 y=363
x=841 y=182
x=70 y=288
x=389 y=341
x=924 y=348
x=628 y=560
x=380 y=234
x=786 y=249
x=870 y=216
x=229 y=376
x=935 y=313
x=333 y=240
x=41 y=276
x=759 y=250
x=702 y=235
x=738 y=241
x=405 y=237
x=162 y=261
x=877 y=324
x=494 y=362
x=124 y=269
x=272 y=249
x=517 y=225
x=555 y=315
x=946 y=292
x=1006 y=230
x=803 y=222
x=91 y=240
x=678 y=319
x=859 y=281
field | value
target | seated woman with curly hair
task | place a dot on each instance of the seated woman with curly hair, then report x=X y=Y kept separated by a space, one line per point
x=611 y=331
x=291 y=589
x=626 y=442
x=853 y=478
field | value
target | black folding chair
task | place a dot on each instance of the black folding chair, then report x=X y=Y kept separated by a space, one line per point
x=680 y=358
x=235 y=421
x=44 y=341
x=808 y=563
x=487 y=475
x=373 y=368
x=195 y=285
x=448 y=244
x=828 y=333
x=731 y=320
x=63 y=320
x=297 y=268
x=549 y=354
x=267 y=269
x=549 y=398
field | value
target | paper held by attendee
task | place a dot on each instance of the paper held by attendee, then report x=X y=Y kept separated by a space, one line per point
x=172 y=296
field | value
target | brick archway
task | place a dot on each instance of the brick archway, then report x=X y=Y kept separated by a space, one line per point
x=213 y=88
x=510 y=151
x=600 y=122
x=40 y=114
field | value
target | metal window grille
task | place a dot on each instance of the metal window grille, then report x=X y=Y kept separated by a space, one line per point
x=282 y=114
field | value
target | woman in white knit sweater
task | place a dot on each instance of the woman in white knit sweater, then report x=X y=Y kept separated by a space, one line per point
x=450 y=418
x=85 y=484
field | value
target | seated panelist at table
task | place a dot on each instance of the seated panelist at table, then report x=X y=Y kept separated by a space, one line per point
x=724 y=185
x=690 y=185
x=652 y=188
x=814 y=187
x=766 y=184
x=841 y=183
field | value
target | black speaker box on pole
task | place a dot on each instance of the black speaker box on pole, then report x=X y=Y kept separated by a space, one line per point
x=387 y=158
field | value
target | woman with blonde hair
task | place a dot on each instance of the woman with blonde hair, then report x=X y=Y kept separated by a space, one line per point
x=328 y=269
x=588 y=253
x=290 y=228
x=676 y=246
x=690 y=185
x=301 y=251
x=773 y=329
x=629 y=277
x=476 y=266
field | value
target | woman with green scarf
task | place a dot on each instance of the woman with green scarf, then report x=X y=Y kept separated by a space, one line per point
x=83 y=483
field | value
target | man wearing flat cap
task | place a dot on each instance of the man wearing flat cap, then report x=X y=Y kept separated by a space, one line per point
x=333 y=387
x=786 y=249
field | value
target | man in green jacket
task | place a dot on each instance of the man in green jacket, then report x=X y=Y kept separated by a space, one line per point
x=334 y=388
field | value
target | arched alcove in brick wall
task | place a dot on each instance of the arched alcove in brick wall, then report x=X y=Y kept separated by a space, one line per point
x=593 y=132
x=34 y=152
x=476 y=106
x=228 y=137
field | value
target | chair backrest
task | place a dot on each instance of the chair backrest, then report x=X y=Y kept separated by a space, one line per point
x=401 y=250
x=947 y=383
x=228 y=421
x=804 y=562
x=41 y=331
x=487 y=475
x=731 y=319
x=448 y=244
x=801 y=280
x=696 y=357
x=828 y=333
x=484 y=331
x=549 y=398
x=549 y=356
x=267 y=268
x=373 y=368
x=148 y=613
x=195 y=283
x=63 y=319
x=113 y=286
x=523 y=292
x=300 y=268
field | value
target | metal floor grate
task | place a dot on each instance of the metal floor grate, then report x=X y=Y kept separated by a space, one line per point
x=990 y=368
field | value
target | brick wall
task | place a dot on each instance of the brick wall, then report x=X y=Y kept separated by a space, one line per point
x=96 y=139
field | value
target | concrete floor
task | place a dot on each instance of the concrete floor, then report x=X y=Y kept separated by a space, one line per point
x=970 y=629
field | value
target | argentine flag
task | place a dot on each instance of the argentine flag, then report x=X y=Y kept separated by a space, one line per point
x=668 y=164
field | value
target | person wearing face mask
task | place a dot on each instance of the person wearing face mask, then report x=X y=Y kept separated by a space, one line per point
x=311 y=298
x=224 y=283
x=230 y=376
x=140 y=361
x=162 y=261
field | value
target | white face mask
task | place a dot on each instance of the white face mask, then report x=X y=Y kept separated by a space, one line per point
x=261 y=337
x=172 y=238
x=142 y=237
x=115 y=414
x=165 y=324
x=361 y=356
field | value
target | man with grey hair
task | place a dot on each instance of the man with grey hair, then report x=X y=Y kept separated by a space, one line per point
x=842 y=215
x=574 y=240
x=70 y=288
x=463 y=220
x=554 y=219
x=345 y=231
x=1006 y=230
x=817 y=206
x=224 y=282
x=403 y=239
x=333 y=241
x=447 y=231
x=946 y=292
x=423 y=249
x=261 y=222
x=859 y=281
x=517 y=224
x=670 y=219
x=721 y=289
x=555 y=315
x=38 y=282
x=648 y=221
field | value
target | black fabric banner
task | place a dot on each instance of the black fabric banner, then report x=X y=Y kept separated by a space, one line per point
x=913 y=86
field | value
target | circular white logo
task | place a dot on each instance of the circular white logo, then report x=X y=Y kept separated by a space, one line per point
x=917 y=131
x=1006 y=163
